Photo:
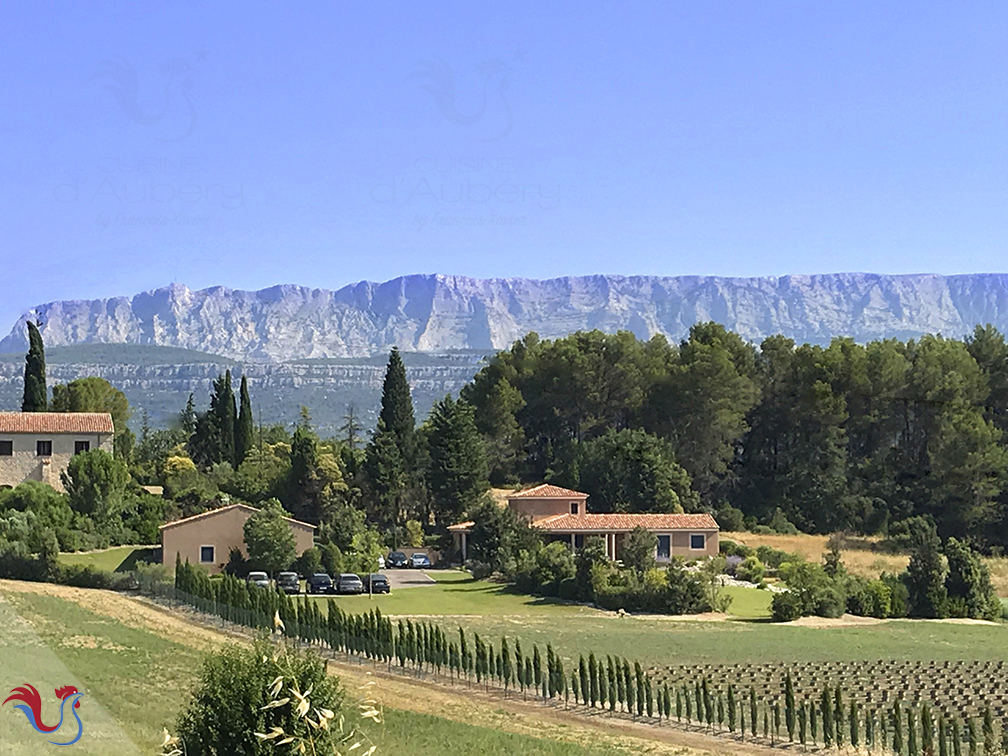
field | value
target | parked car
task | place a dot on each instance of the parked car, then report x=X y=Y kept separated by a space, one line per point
x=377 y=583
x=289 y=582
x=381 y=562
x=398 y=560
x=319 y=583
x=258 y=578
x=419 y=561
x=349 y=583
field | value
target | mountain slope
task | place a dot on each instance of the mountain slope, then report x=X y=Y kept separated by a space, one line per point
x=438 y=313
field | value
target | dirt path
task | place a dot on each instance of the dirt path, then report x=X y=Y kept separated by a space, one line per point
x=458 y=703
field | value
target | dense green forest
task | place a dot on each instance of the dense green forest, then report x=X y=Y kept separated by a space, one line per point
x=842 y=437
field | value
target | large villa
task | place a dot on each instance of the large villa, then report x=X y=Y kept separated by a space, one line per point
x=562 y=514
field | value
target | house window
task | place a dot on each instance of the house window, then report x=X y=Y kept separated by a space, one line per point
x=697 y=542
x=579 y=541
x=574 y=507
x=6 y=448
x=664 y=547
x=43 y=448
x=81 y=446
x=206 y=554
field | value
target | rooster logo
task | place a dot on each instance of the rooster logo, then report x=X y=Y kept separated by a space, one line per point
x=438 y=79
x=31 y=707
x=124 y=85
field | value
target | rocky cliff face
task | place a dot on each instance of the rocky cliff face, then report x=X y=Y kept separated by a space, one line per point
x=437 y=313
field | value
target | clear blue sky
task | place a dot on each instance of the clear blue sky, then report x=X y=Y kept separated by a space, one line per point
x=248 y=144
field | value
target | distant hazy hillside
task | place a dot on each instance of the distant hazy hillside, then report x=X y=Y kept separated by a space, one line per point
x=440 y=313
x=159 y=380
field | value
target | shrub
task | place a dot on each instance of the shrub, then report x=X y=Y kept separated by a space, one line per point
x=786 y=607
x=730 y=519
x=227 y=705
x=829 y=602
x=781 y=524
x=731 y=548
x=751 y=569
x=774 y=558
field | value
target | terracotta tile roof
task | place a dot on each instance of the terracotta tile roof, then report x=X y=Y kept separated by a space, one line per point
x=56 y=422
x=546 y=491
x=220 y=510
x=590 y=522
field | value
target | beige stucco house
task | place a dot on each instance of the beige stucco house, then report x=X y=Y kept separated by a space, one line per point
x=207 y=539
x=561 y=514
x=39 y=445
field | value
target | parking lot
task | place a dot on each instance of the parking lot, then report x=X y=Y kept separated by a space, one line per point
x=407 y=578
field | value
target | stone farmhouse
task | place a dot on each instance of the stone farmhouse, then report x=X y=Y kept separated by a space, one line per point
x=562 y=514
x=39 y=445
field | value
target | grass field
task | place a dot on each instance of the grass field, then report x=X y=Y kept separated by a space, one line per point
x=134 y=682
x=116 y=559
x=456 y=593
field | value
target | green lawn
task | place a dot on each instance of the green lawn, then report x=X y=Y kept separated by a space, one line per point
x=457 y=593
x=116 y=559
x=404 y=733
x=134 y=683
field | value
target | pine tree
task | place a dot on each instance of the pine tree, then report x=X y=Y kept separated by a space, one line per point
x=457 y=464
x=36 y=396
x=943 y=737
x=854 y=720
x=971 y=734
x=245 y=430
x=956 y=739
x=639 y=675
x=593 y=681
x=912 y=733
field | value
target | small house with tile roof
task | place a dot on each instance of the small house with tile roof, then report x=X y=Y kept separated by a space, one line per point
x=39 y=445
x=562 y=514
x=207 y=539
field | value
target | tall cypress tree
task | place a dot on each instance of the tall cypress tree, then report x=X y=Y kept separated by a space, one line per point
x=245 y=430
x=222 y=404
x=397 y=405
x=35 y=394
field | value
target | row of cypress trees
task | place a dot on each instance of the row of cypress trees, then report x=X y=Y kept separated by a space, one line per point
x=613 y=683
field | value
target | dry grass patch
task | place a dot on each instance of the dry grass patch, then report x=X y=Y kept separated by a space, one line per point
x=859 y=555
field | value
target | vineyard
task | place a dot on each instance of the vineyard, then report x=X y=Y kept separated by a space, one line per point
x=912 y=708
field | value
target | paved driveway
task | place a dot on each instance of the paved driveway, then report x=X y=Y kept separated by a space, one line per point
x=407 y=578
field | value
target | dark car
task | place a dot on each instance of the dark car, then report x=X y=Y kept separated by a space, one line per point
x=377 y=583
x=319 y=583
x=349 y=583
x=398 y=560
x=420 y=560
x=289 y=582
